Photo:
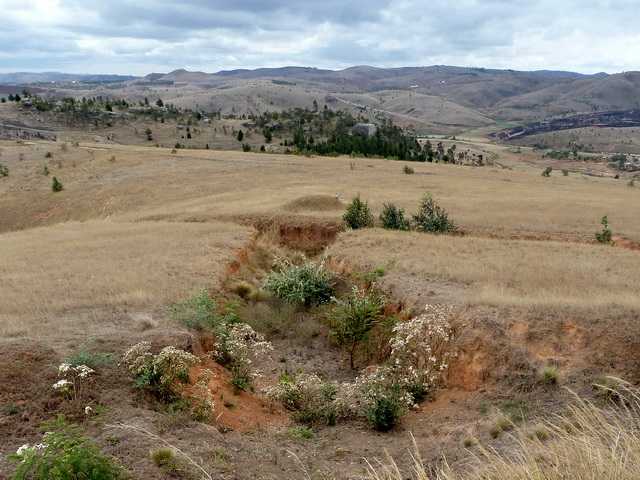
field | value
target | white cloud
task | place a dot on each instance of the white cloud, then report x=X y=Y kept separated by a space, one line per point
x=139 y=36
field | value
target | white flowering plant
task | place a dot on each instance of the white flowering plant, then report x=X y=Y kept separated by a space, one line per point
x=164 y=374
x=64 y=453
x=202 y=403
x=237 y=347
x=73 y=381
x=420 y=351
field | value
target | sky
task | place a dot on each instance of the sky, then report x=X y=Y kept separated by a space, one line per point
x=142 y=36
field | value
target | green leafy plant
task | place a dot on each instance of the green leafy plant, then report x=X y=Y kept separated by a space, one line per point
x=392 y=217
x=93 y=360
x=353 y=318
x=198 y=312
x=4 y=170
x=432 y=218
x=64 y=454
x=408 y=170
x=605 y=235
x=300 y=432
x=56 y=185
x=307 y=284
x=547 y=172
x=358 y=214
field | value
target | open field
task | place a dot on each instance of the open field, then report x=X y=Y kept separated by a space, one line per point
x=136 y=228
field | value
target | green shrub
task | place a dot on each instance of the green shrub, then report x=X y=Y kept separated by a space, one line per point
x=432 y=218
x=549 y=375
x=56 y=185
x=163 y=457
x=48 y=155
x=547 y=172
x=311 y=399
x=385 y=411
x=92 y=360
x=45 y=170
x=358 y=215
x=408 y=170
x=353 y=318
x=307 y=284
x=198 y=312
x=392 y=218
x=300 y=433
x=4 y=170
x=64 y=454
x=606 y=234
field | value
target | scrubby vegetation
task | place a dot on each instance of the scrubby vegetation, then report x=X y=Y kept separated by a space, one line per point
x=307 y=284
x=353 y=318
x=392 y=218
x=358 y=214
x=605 y=235
x=56 y=185
x=64 y=454
x=4 y=170
x=431 y=217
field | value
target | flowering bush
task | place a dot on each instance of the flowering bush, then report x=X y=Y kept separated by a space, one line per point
x=420 y=350
x=164 y=373
x=74 y=381
x=64 y=454
x=312 y=399
x=307 y=284
x=237 y=346
x=202 y=404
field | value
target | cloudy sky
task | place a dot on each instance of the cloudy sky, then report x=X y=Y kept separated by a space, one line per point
x=142 y=36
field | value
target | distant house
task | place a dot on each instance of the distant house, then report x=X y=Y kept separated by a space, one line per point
x=364 y=129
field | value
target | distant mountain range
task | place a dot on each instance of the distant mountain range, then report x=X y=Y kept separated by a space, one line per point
x=437 y=97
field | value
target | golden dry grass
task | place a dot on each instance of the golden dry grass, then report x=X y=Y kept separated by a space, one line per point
x=81 y=279
x=588 y=442
x=501 y=272
x=151 y=181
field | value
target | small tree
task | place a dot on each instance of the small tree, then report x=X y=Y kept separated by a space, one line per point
x=547 y=172
x=392 y=217
x=432 y=218
x=4 y=170
x=352 y=319
x=605 y=235
x=268 y=136
x=358 y=214
x=240 y=135
x=159 y=103
x=56 y=185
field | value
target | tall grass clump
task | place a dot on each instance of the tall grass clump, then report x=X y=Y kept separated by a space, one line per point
x=358 y=214
x=431 y=217
x=307 y=284
x=392 y=218
x=587 y=442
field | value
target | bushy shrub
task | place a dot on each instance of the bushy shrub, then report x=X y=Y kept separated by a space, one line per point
x=605 y=235
x=307 y=284
x=4 y=170
x=237 y=347
x=163 y=374
x=432 y=218
x=353 y=318
x=358 y=214
x=408 y=170
x=56 y=185
x=392 y=217
x=547 y=172
x=198 y=312
x=64 y=454
x=311 y=399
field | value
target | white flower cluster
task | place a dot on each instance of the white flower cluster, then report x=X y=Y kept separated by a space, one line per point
x=420 y=349
x=238 y=346
x=27 y=449
x=168 y=368
x=203 y=403
x=73 y=379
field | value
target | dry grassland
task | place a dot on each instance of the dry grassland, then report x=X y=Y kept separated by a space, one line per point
x=509 y=272
x=77 y=280
x=200 y=184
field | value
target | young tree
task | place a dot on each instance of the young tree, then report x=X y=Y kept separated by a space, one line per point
x=159 y=103
x=240 y=135
x=56 y=185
